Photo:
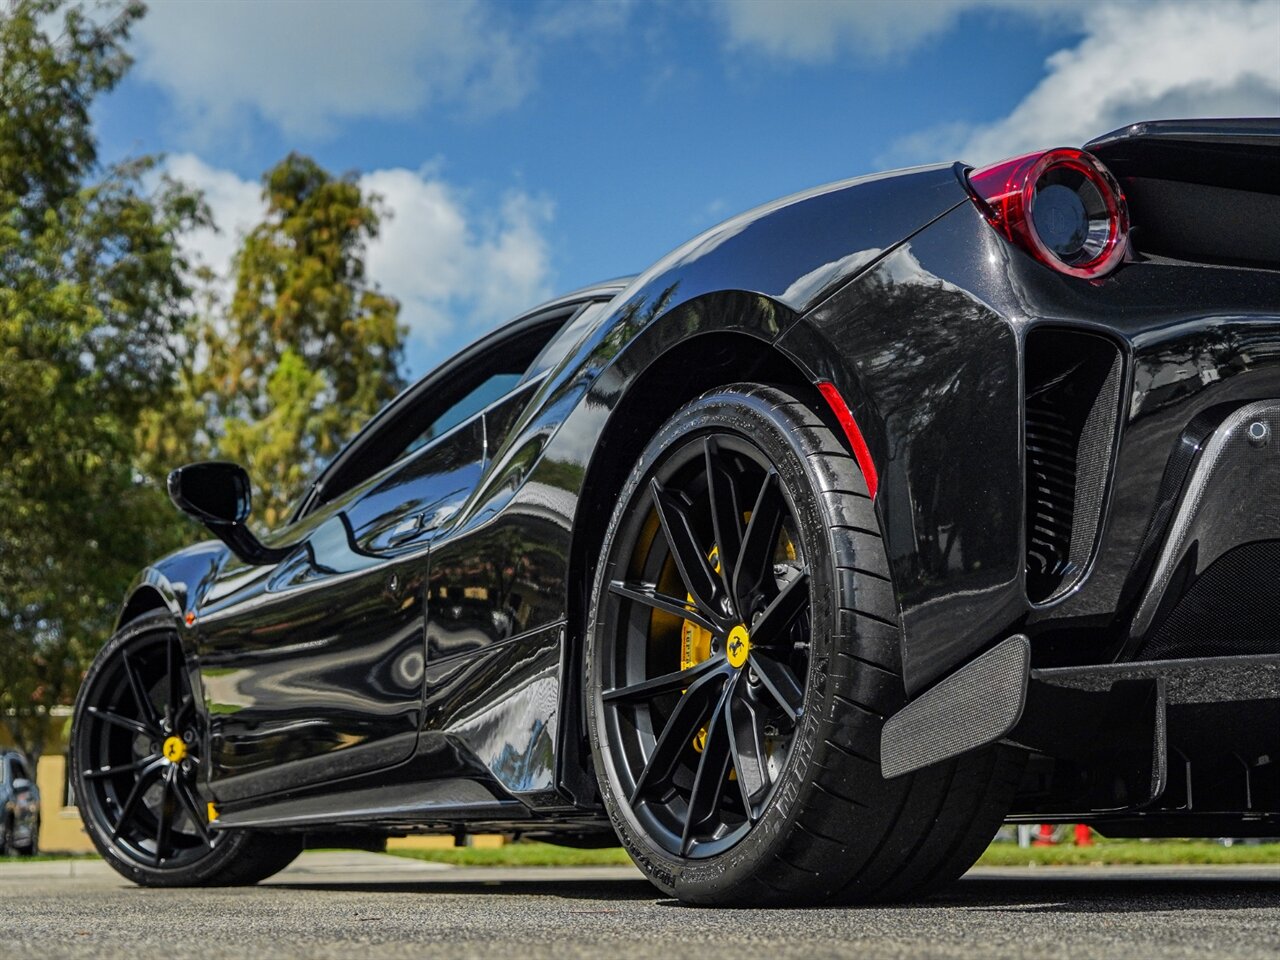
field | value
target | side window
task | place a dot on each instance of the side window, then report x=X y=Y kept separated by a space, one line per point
x=18 y=770
x=486 y=393
x=453 y=394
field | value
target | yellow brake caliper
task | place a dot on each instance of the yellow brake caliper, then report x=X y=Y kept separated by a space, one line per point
x=695 y=642
x=695 y=646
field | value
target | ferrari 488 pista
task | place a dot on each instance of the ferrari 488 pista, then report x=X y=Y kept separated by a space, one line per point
x=859 y=524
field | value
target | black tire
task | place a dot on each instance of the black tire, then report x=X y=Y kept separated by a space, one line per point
x=32 y=846
x=147 y=818
x=827 y=826
x=7 y=847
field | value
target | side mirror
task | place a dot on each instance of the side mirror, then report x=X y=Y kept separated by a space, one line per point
x=217 y=493
x=22 y=785
x=214 y=492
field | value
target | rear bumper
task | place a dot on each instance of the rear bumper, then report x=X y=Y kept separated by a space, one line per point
x=1155 y=748
x=1186 y=488
x=1147 y=748
x=1229 y=503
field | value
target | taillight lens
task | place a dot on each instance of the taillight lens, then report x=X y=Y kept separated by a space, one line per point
x=1061 y=206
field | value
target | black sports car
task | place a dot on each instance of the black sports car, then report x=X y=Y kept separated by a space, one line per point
x=862 y=522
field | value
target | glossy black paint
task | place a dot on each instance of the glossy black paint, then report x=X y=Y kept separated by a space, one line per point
x=422 y=632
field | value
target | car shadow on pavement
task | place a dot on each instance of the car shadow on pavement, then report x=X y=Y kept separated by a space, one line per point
x=1102 y=895
x=1022 y=895
x=585 y=890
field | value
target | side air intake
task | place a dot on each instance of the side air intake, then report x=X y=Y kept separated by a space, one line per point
x=1072 y=402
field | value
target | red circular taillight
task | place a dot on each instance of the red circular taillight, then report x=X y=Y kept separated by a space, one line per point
x=1062 y=206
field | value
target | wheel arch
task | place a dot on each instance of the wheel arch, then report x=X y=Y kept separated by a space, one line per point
x=726 y=338
x=144 y=599
x=174 y=583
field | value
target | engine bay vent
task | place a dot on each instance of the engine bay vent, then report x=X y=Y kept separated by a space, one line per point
x=1072 y=387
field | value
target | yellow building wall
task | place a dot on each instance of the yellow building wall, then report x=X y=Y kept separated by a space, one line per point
x=60 y=828
x=444 y=843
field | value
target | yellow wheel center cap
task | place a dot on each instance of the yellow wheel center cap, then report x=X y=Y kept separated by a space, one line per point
x=175 y=750
x=738 y=647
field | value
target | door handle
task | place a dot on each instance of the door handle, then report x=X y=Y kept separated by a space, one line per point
x=406 y=529
x=438 y=518
x=420 y=523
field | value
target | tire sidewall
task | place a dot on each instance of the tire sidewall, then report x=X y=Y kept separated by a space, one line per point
x=745 y=411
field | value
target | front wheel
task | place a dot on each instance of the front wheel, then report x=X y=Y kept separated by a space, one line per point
x=742 y=654
x=136 y=753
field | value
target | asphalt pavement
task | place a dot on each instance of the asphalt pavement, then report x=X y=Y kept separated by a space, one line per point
x=355 y=905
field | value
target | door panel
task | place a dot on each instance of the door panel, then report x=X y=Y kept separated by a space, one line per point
x=317 y=674
x=312 y=670
x=419 y=498
x=499 y=710
x=497 y=575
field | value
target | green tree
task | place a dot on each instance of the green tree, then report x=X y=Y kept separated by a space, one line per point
x=94 y=322
x=311 y=348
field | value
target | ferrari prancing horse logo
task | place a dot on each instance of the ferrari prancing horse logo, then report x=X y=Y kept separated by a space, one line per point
x=175 y=751
x=738 y=646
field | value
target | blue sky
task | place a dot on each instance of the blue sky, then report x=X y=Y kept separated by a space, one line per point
x=523 y=149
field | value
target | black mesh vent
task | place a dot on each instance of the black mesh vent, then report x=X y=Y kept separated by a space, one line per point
x=1051 y=489
x=1232 y=609
x=1072 y=393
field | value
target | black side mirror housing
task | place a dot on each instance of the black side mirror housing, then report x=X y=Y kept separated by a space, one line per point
x=214 y=492
x=218 y=494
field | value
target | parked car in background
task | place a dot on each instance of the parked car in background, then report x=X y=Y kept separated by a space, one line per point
x=20 y=803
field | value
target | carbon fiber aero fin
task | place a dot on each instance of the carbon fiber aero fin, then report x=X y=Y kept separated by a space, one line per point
x=976 y=705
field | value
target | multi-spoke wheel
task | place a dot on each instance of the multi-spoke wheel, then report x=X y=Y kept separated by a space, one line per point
x=703 y=693
x=742 y=654
x=137 y=744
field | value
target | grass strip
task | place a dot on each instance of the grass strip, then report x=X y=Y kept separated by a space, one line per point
x=1102 y=852
x=1130 y=853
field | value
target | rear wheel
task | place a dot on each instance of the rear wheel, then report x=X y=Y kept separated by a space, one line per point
x=742 y=655
x=137 y=744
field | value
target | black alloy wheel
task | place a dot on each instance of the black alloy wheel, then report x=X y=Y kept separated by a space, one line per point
x=705 y=685
x=742 y=653
x=142 y=741
x=137 y=745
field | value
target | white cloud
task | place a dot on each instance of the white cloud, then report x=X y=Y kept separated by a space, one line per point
x=580 y=20
x=1136 y=62
x=305 y=66
x=236 y=204
x=810 y=31
x=455 y=267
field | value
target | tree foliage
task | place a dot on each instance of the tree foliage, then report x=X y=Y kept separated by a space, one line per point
x=94 y=314
x=311 y=349
x=111 y=372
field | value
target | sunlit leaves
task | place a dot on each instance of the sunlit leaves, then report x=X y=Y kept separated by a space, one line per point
x=94 y=313
x=311 y=349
